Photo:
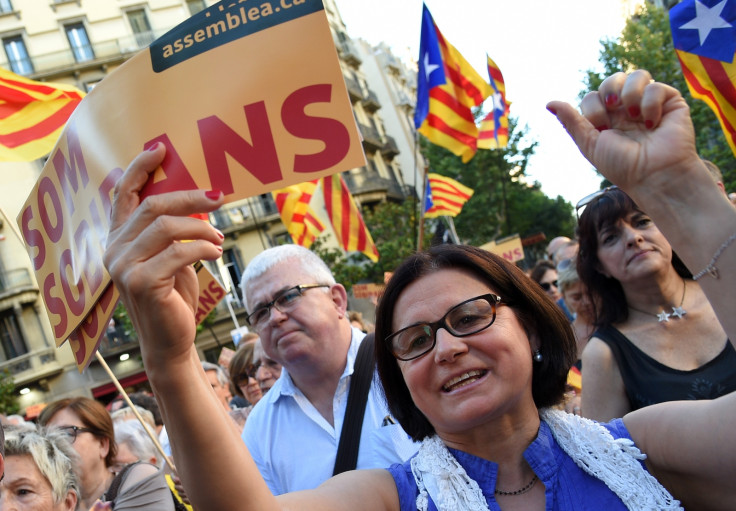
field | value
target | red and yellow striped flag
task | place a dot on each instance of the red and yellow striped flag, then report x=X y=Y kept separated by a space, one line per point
x=298 y=217
x=346 y=219
x=447 y=88
x=32 y=115
x=447 y=196
x=494 y=129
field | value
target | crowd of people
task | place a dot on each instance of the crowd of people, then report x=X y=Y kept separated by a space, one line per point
x=468 y=394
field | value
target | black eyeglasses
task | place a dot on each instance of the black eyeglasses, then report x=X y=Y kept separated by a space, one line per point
x=548 y=285
x=73 y=431
x=464 y=319
x=590 y=198
x=285 y=301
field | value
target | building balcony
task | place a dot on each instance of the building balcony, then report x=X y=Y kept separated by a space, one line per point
x=17 y=282
x=365 y=181
x=102 y=53
x=390 y=149
x=348 y=53
x=34 y=366
x=372 y=140
x=370 y=102
x=245 y=215
x=354 y=90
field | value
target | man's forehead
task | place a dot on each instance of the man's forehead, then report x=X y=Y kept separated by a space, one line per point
x=276 y=279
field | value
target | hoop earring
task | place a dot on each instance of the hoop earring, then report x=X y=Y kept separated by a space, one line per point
x=537 y=356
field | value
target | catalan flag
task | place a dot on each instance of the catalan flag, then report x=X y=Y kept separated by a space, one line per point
x=494 y=129
x=447 y=88
x=346 y=219
x=704 y=36
x=300 y=221
x=447 y=196
x=32 y=115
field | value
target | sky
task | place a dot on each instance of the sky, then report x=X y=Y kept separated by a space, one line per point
x=542 y=47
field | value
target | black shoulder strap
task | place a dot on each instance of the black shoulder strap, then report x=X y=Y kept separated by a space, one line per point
x=360 y=384
x=112 y=492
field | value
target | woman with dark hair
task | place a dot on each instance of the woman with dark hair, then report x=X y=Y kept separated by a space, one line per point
x=89 y=428
x=471 y=353
x=657 y=338
x=544 y=273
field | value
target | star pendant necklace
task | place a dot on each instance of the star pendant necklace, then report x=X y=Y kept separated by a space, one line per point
x=664 y=317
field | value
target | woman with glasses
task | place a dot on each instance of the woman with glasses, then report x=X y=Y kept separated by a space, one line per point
x=243 y=373
x=471 y=353
x=89 y=428
x=657 y=338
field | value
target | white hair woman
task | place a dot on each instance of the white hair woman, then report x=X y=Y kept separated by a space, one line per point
x=39 y=470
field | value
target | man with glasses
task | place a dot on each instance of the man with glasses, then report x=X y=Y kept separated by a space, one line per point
x=300 y=314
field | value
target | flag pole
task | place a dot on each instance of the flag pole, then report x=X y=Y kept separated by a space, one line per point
x=453 y=232
x=420 y=237
x=145 y=425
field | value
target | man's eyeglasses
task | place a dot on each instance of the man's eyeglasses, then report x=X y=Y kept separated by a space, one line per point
x=590 y=198
x=284 y=302
x=73 y=431
x=548 y=285
x=464 y=319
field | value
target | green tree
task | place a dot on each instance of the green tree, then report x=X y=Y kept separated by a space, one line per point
x=503 y=203
x=8 y=400
x=646 y=43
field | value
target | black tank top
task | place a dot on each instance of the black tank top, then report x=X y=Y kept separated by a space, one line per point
x=648 y=382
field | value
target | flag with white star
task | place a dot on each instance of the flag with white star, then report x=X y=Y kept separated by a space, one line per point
x=447 y=88
x=704 y=35
x=494 y=129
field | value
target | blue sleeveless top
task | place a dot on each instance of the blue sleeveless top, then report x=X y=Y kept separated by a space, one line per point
x=648 y=381
x=567 y=486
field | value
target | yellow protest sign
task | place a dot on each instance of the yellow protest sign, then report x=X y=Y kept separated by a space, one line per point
x=246 y=97
x=509 y=248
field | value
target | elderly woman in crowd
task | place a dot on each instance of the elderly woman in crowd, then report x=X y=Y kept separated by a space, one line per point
x=242 y=373
x=39 y=471
x=89 y=428
x=471 y=353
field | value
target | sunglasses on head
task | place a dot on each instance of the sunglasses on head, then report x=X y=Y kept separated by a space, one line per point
x=590 y=198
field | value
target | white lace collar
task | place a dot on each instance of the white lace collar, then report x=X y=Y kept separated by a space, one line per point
x=614 y=461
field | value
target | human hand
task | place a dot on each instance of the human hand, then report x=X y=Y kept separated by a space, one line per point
x=636 y=132
x=180 y=489
x=150 y=263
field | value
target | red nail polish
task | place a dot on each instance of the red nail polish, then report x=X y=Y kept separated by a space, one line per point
x=153 y=147
x=213 y=194
x=649 y=124
x=634 y=111
x=611 y=99
x=602 y=127
x=552 y=110
x=220 y=235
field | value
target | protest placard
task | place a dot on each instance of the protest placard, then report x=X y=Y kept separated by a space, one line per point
x=246 y=97
x=509 y=248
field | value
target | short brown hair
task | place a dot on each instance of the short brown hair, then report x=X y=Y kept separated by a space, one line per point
x=536 y=312
x=92 y=414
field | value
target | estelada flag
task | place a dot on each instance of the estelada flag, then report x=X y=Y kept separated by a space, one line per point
x=447 y=196
x=447 y=88
x=704 y=36
x=494 y=129
x=32 y=115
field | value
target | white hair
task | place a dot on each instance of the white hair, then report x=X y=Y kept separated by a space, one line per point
x=52 y=453
x=132 y=434
x=222 y=377
x=127 y=414
x=303 y=258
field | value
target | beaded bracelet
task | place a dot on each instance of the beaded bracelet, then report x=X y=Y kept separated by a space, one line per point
x=711 y=268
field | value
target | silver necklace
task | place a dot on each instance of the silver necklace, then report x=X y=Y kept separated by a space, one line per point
x=664 y=317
